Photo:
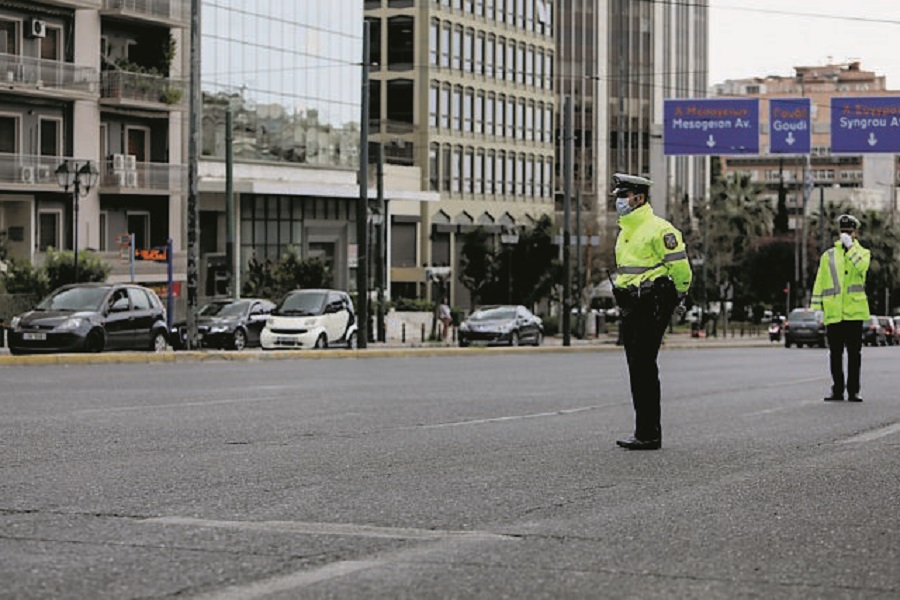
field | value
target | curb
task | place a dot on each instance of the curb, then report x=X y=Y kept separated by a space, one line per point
x=192 y=356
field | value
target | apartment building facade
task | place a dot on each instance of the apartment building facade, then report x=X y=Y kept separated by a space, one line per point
x=94 y=85
x=867 y=181
x=465 y=90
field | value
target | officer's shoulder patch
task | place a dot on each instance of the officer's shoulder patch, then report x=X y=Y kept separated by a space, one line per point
x=670 y=241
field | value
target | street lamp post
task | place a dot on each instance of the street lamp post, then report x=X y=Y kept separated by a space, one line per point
x=81 y=178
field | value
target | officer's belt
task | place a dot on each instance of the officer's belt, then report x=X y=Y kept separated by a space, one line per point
x=666 y=259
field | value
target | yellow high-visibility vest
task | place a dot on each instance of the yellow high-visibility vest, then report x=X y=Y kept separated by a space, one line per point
x=840 y=288
x=649 y=247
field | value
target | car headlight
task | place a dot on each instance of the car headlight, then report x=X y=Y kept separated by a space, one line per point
x=218 y=329
x=464 y=326
x=270 y=322
x=70 y=324
x=14 y=323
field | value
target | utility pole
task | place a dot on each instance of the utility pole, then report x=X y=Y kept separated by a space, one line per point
x=568 y=143
x=234 y=290
x=804 y=246
x=193 y=203
x=379 y=248
x=362 y=208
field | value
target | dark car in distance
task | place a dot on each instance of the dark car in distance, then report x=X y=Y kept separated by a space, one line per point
x=501 y=325
x=804 y=326
x=230 y=323
x=91 y=317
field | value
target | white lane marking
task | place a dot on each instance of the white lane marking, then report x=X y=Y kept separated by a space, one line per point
x=555 y=413
x=436 y=540
x=178 y=404
x=329 y=529
x=769 y=411
x=872 y=435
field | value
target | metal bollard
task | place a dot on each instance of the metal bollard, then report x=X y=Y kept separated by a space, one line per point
x=423 y=333
x=403 y=333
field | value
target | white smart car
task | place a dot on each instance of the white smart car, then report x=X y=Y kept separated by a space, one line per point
x=311 y=319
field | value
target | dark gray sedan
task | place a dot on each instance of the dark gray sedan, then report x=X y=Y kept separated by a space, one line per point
x=508 y=325
x=229 y=323
x=91 y=317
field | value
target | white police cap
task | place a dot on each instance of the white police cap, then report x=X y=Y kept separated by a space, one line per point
x=623 y=183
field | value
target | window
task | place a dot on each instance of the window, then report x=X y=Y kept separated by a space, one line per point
x=489 y=114
x=9 y=37
x=375 y=42
x=479 y=54
x=139 y=225
x=500 y=179
x=469 y=51
x=445 y=46
x=9 y=134
x=104 y=231
x=529 y=67
x=520 y=63
x=500 y=69
x=433 y=166
x=529 y=122
x=139 y=299
x=479 y=172
x=529 y=176
x=520 y=175
x=539 y=122
x=49 y=229
x=433 y=106
x=500 y=127
x=539 y=69
x=400 y=101
x=489 y=173
x=51 y=136
x=457 y=51
x=489 y=56
x=51 y=44
x=467 y=171
x=468 y=109
x=511 y=61
x=510 y=117
x=403 y=244
x=138 y=142
x=456 y=170
x=434 y=34
x=400 y=50
x=520 y=120
x=479 y=113
x=444 y=107
x=510 y=174
x=445 y=168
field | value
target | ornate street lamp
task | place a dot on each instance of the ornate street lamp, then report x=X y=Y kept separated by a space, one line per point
x=81 y=178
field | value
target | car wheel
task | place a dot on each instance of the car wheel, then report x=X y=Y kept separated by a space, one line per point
x=514 y=338
x=239 y=339
x=93 y=343
x=158 y=342
x=538 y=338
x=351 y=341
x=321 y=342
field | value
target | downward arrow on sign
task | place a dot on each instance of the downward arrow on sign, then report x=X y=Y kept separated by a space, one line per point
x=711 y=141
x=872 y=139
x=790 y=138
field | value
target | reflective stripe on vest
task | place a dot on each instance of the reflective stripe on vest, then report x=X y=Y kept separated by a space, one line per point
x=638 y=270
x=835 y=290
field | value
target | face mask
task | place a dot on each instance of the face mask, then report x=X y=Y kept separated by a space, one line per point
x=622 y=206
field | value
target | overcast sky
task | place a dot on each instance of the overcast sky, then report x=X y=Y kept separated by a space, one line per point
x=751 y=38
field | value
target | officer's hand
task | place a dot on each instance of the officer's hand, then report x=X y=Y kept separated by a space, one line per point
x=680 y=308
x=846 y=240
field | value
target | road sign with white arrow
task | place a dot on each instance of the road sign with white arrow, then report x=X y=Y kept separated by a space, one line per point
x=711 y=126
x=865 y=125
x=789 y=125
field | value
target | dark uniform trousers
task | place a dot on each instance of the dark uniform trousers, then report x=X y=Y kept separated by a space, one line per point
x=642 y=332
x=845 y=334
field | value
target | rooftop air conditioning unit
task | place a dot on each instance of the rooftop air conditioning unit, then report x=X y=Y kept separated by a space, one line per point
x=37 y=28
x=118 y=162
x=130 y=162
x=26 y=174
x=120 y=179
x=131 y=179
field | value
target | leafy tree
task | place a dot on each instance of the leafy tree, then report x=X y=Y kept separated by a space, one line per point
x=477 y=260
x=22 y=277
x=265 y=280
x=259 y=282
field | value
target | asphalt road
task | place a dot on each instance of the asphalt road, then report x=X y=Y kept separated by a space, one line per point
x=474 y=475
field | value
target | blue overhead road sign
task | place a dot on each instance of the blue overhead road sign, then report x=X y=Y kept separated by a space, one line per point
x=711 y=126
x=789 y=125
x=865 y=125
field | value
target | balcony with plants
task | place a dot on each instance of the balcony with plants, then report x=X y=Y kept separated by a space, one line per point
x=142 y=80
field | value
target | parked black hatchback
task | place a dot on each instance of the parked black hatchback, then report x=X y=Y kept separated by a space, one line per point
x=91 y=317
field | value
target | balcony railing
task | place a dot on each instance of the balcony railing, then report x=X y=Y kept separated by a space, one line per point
x=122 y=173
x=46 y=76
x=77 y=3
x=31 y=171
x=142 y=88
x=175 y=12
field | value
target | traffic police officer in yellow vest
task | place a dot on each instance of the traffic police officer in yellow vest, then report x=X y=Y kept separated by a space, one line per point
x=653 y=276
x=840 y=292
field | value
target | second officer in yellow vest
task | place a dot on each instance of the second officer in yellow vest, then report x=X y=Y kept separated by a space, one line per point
x=653 y=275
x=840 y=292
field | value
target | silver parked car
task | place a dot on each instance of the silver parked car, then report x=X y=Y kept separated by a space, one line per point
x=502 y=325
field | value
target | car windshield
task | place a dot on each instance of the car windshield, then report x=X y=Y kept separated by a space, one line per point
x=225 y=309
x=494 y=314
x=78 y=298
x=301 y=303
x=803 y=316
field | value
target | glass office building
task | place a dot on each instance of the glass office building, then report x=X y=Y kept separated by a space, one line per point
x=289 y=71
